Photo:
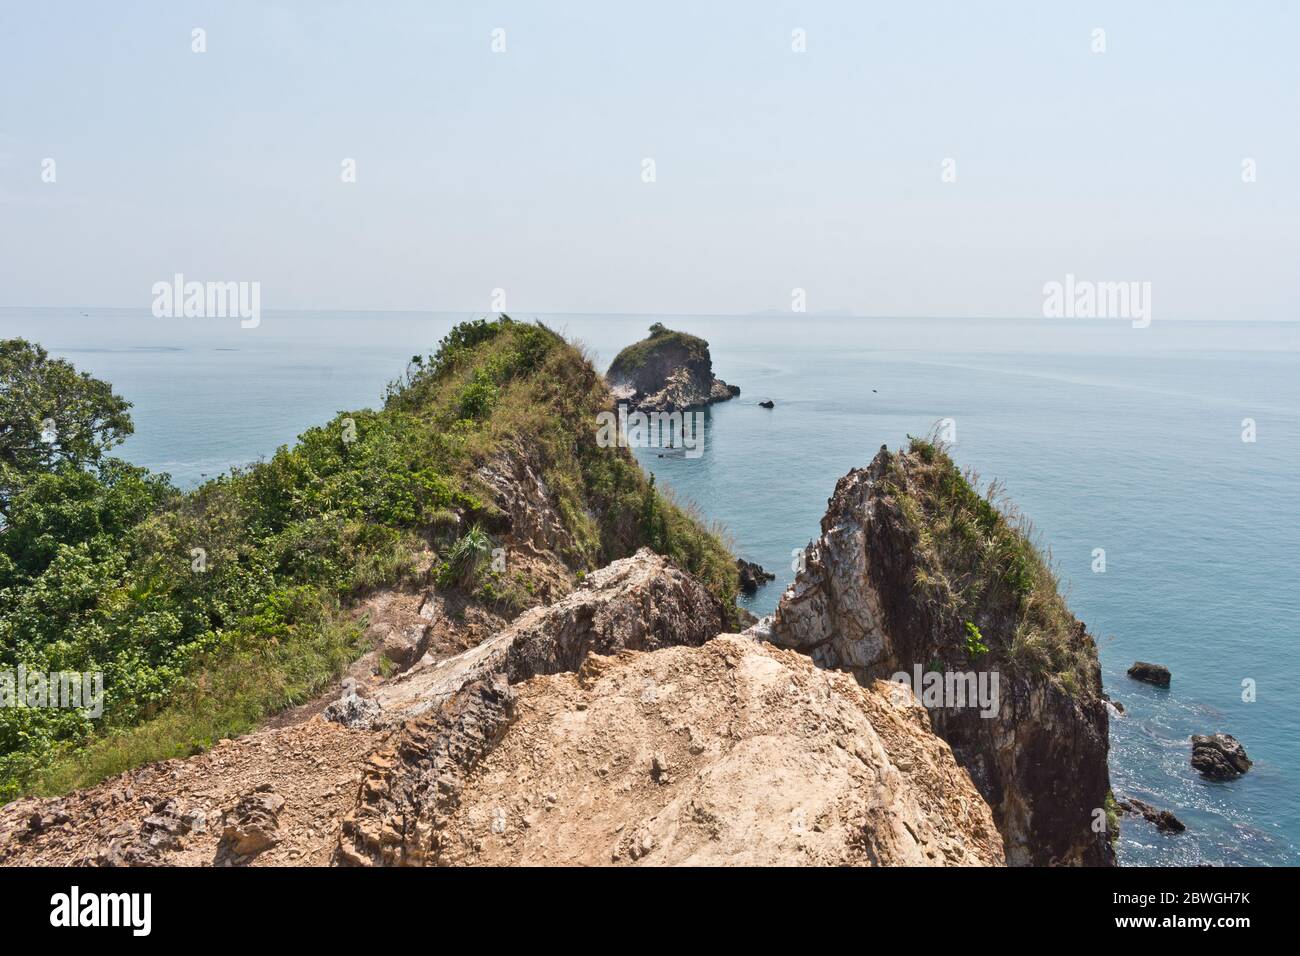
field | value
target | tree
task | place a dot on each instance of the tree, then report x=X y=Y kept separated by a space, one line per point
x=51 y=415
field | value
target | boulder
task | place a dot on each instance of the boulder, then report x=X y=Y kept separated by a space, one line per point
x=1156 y=674
x=734 y=753
x=251 y=827
x=637 y=603
x=352 y=710
x=1219 y=756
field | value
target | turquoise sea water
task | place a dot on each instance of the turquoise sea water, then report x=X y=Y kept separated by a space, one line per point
x=1106 y=436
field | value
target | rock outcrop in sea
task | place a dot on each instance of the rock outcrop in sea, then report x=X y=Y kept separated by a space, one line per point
x=915 y=572
x=1219 y=756
x=667 y=372
x=752 y=575
x=1156 y=674
x=1162 y=820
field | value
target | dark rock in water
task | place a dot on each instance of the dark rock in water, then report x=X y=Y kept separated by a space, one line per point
x=767 y=403
x=752 y=576
x=1119 y=708
x=667 y=372
x=1156 y=674
x=1219 y=757
x=1163 y=820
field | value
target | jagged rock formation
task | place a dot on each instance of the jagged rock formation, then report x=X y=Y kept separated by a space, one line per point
x=734 y=752
x=885 y=590
x=667 y=372
x=752 y=576
x=251 y=827
x=408 y=789
x=462 y=704
x=532 y=520
x=1219 y=757
x=637 y=603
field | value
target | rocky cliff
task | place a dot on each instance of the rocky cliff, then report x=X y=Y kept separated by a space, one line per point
x=607 y=728
x=667 y=372
x=915 y=572
x=732 y=753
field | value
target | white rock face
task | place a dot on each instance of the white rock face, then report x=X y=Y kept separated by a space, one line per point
x=732 y=753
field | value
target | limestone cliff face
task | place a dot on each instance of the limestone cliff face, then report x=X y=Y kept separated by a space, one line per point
x=882 y=592
x=667 y=372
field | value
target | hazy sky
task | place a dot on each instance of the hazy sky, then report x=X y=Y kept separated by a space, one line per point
x=775 y=169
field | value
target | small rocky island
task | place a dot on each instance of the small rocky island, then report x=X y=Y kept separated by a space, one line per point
x=667 y=372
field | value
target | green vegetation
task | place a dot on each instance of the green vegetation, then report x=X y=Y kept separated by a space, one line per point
x=51 y=416
x=465 y=559
x=209 y=610
x=1112 y=818
x=637 y=354
x=975 y=645
x=976 y=562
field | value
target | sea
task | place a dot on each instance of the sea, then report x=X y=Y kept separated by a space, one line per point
x=1171 y=451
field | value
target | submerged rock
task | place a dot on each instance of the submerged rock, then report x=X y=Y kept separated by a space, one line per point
x=1156 y=674
x=1219 y=757
x=1163 y=820
x=667 y=372
x=767 y=403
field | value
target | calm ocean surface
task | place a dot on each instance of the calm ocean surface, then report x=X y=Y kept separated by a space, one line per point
x=1107 y=436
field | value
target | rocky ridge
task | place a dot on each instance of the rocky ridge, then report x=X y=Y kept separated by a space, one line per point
x=606 y=728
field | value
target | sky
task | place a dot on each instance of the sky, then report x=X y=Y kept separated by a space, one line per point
x=523 y=169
